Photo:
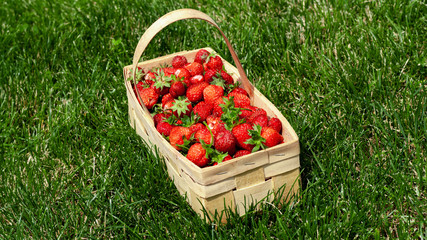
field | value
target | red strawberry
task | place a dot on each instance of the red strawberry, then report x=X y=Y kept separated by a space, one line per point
x=247 y=112
x=210 y=74
x=164 y=128
x=218 y=128
x=197 y=79
x=177 y=89
x=212 y=92
x=197 y=155
x=272 y=137
x=240 y=90
x=160 y=117
x=203 y=110
x=179 y=108
x=179 y=61
x=203 y=134
x=275 y=123
x=195 y=68
x=166 y=98
x=149 y=97
x=217 y=110
x=227 y=77
x=168 y=71
x=241 y=153
x=215 y=63
x=256 y=112
x=196 y=127
x=150 y=76
x=261 y=120
x=225 y=142
x=241 y=133
x=240 y=100
x=177 y=134
x=201 y=56
x=195 y=92
x=215 y=124
x=227 y=158
x=182 y=73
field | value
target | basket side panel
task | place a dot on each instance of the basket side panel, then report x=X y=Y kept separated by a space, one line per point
x=287 y=185
x=282 y=166
x=214 y=205
x=254 y=194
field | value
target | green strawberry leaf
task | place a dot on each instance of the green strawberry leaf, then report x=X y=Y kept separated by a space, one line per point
x=230 y=114
x=162 y=80
x=188 y=121
x=218 y=81
x=256 y=139
x=180 y=106
x=231 y=87
x=138 y=75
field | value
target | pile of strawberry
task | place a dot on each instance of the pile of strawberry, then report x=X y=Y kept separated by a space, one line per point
x=199 y=109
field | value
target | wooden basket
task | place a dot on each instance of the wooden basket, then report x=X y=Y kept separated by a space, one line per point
x=234 y=184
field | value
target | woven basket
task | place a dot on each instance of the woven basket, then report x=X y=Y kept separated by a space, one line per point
x=234 y=184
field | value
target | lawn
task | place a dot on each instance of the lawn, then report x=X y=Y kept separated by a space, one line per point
x=350 y=77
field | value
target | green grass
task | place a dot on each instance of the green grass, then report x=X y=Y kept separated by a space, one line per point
x=350 y=77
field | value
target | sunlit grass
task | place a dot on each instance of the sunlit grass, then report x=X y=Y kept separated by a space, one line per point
x=349 y=77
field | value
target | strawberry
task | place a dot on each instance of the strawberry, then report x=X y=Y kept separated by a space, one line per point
x=215 y=124
x=276 y=124
x=256 y=139
x=195 y=92
x=197 y=79
x=164 y=128
x=218 y=128
x=195 y=68
x=179 y=61
x=225 y=142
x=177 y=136
x=178 y=107
x=256 y=112
x=203 y=110
x=196 y=127
x=197 y=155
x=227 y=77
x=240 y=100
x=212 y=92
x=226 y=158
x=241 y=153
x=261 y=120
x=168 y=71
x=177 y=89
x=210 y=74
x=215 y=63
x=240 y=90
x=160 y=117
x=150 y=76
x=272 y=137
x=166 y=98
x=203 y=134
x=149 y=97
x=184 y=75
x=241 y=133
x=201 y=56
x=246 y=112
x=217 y=110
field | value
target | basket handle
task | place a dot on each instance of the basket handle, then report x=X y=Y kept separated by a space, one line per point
x=172 y=17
